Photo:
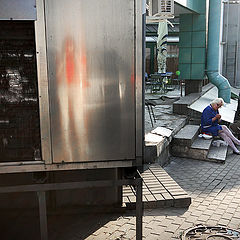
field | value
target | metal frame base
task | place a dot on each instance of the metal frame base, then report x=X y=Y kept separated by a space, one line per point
x=41 y=190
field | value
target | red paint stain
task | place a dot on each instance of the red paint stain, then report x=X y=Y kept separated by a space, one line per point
x=133 y=79
x=69 y=61
x=83 y=69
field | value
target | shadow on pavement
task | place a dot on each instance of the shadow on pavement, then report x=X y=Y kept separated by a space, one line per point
x=24 y=224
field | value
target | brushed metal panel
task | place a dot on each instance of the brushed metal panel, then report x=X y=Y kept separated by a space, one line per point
x=18 y=10
x=43 y=84
x=91 y=63
x=140 y=48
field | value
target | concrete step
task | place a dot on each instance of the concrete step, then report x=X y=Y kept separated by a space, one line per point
x=201 y=143
x=159 y=190
x=217 y=154
x=198 y=150
x=201 y=149
x=186 y=136
x=181 y=106
x=157 y=143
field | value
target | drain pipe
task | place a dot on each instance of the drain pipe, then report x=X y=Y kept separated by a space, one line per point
x=213 y=73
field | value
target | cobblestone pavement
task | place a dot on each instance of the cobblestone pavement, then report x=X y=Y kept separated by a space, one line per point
x=215 y=192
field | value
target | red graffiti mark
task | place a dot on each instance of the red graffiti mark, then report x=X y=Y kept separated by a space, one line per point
x=69 y=60
x=133 y=80
x=83 y=64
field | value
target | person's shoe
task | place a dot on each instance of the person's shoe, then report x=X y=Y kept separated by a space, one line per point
x=238 y=153
x=206 y=136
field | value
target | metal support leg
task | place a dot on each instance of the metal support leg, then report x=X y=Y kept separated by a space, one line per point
x=153 y=113
x=149 y=111
x=181 y=85
x=139 y=209
x=43 y=214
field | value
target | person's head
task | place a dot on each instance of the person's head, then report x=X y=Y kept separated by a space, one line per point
x=217 y=103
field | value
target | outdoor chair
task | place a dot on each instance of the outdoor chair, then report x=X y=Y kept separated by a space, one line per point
x=150 y=104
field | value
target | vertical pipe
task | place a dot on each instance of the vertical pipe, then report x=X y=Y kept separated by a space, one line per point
x=43 y=214
x=221 y=38
x=214 y=76
x=139 y=209
x=213 y=35
x=226 y=39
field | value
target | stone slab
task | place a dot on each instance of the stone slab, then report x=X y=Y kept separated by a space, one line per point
x=190 y=98
x=153 y=139
x=186 y=135
x=199 y=149
x=181 y=106
x=165 y=132
x=201 y=143
x=217 y=154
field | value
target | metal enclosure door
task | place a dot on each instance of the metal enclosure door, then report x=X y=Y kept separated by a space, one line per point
x=18 y=10
x=91 y=69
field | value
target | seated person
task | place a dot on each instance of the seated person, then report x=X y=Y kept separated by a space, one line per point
x=210 y=124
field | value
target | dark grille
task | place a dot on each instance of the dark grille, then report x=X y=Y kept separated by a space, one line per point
x=19 y=111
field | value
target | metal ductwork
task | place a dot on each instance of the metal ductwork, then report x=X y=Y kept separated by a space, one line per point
x=214 y=76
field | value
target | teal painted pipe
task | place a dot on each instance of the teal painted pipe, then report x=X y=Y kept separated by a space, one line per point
x=224 y=90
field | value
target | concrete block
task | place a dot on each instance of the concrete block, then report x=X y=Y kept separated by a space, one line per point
x=165 y=132
x=201 y=143
x=187 y=152
x=195 y=85
x=186 y=135
x=181 y=106
x=156 y=149
x=217 y=154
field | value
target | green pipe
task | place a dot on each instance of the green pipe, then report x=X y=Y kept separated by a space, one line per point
x=224 y=90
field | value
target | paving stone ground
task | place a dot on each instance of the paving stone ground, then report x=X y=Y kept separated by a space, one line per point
x=214 y=188
x=215 y=192
x=159 y=190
